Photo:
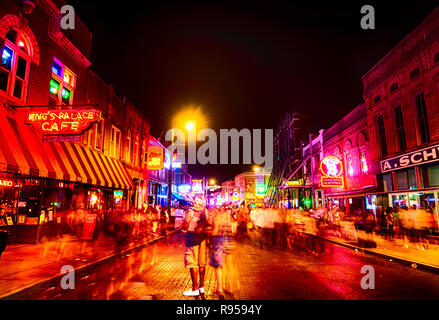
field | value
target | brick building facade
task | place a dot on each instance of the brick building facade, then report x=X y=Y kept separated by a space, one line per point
x=348 y=141
x=401 y=93
x=393 y=135
x=47 y=181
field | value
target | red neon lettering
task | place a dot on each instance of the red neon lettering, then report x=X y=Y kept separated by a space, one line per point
x=6 y=183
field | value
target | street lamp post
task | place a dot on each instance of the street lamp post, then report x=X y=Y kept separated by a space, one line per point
x=170 y=175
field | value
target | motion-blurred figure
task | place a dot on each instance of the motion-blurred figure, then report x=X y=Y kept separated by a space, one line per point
x=222 y=238
x=195 y=256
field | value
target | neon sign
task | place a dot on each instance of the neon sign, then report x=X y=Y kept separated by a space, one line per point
x=6 y=183
x=331 y=168
x=62 y=122
x=260 y=190
x=175 y=163
x=184 y=188
x=154 y=158
x=197 y=186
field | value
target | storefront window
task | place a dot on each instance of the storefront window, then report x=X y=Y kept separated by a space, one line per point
x=422 y=200
x=385 y=181
x=399 y=200
x=431 y=175
x=8 y=195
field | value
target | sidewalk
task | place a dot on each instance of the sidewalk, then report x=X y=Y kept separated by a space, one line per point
x=25 y=265
x=398 y=250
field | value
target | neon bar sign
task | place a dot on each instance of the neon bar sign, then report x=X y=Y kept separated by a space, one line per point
x=62 y=122
x=154 y=158
x=331 y=168
x=6 y=183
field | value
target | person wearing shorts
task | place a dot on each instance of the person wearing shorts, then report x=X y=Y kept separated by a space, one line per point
x=195 y=255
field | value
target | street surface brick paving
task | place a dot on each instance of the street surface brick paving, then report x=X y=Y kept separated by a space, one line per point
x=157 y=272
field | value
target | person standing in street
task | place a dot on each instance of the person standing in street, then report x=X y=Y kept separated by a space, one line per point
x=220 y=259
x=195 y=256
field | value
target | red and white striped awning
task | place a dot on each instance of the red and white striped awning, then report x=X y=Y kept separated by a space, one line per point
x=23 y=151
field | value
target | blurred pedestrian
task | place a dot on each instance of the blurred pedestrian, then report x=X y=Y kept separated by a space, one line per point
x=195 y=256
x=390 y=223
x=164 y=219
x=222 y=238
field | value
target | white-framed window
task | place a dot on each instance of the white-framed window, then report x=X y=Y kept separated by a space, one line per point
x=114 y=142
x=94 y=137
x=100 y=135
x=15 y=65
x=128 y=148
x=62 y=84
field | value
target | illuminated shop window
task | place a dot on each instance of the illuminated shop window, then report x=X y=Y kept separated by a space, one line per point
x=62 y=84
x=14 y=69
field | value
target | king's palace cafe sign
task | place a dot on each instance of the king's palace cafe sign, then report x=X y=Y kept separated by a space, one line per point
x=62 y=122
x=418 y=157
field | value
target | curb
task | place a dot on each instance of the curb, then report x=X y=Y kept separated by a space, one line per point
x=10 y=295
x=419 y=265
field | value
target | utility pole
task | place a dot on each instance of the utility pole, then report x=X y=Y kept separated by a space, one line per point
x=170 y=177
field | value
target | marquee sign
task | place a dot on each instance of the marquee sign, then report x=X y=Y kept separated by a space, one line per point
x=197 y=186
x=62 y=122
x=426 y=155
x=331 y=168
x=154 y=159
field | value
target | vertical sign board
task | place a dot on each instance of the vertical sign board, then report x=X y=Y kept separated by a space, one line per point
x=154 y=159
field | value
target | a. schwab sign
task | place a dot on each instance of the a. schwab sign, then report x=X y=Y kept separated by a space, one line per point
x=411 y=159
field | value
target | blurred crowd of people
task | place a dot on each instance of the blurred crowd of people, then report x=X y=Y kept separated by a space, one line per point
x=212 y=232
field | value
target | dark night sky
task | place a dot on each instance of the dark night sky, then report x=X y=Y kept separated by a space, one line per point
x=246 y=62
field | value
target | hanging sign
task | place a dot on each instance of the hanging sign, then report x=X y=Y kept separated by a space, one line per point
x=62 y=122
x=331 y=168
x=154 y=159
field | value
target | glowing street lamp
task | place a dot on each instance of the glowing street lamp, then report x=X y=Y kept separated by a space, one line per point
x=212 y=182
x=189 y=126
x=256 y=168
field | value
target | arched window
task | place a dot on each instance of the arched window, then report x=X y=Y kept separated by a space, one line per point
x=14 y=70
x=361 y=140
x=421 y=110
x=348 y=158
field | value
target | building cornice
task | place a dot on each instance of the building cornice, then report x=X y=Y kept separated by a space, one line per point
x=56 y=35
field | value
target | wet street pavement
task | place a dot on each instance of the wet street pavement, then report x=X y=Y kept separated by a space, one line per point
x=157 y=272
